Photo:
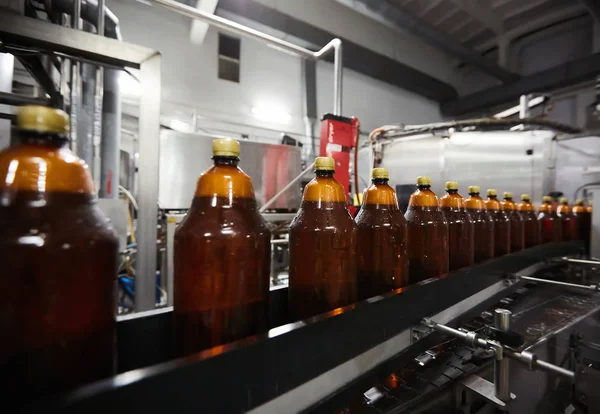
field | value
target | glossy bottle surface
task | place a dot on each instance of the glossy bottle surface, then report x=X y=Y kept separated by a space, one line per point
x=428 y=254
x=322 y=250
x=501 y=226
x=583 y=224
x=531 y=224
x=567 y=221
x=517 y=225
x=460 y=230
x=483 y=227
x=550 y=223
x=221 y=261
x=59 y=264
x=382 y=242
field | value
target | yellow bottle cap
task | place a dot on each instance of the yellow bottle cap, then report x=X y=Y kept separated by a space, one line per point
x=324 y=164
x=380 y=173
x=226 y=147
x=492 y=192
x=423 y=180
x=507 y=194
x=547 y=199
x=525 y=197
x=451 y=185
x=42 y=119
x=579 y=202
x=564 y=200
x=473 y=189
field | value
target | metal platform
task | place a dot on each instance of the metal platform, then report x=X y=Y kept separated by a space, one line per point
x=294 y=366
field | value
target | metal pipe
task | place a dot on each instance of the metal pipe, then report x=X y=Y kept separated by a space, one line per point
x=540 y=364
x=75 y=78
x=19 y=100
x=241 y=30
x=556 y=282
x=593 y=262
x=501 y=364
x=287 y=187
x=524 y=106
x=98 y=98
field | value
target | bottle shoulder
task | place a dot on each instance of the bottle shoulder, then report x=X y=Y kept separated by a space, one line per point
x=44 y=168
x=227 y=181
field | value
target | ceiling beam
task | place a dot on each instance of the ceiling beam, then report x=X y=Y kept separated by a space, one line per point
x=356 y=57
x=405 y=21
x=570 y=73
x=536 y=24
x=200 y=27
x=593 y=8
x=482 y=12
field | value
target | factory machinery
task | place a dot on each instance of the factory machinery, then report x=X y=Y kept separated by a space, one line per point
x=517 y=333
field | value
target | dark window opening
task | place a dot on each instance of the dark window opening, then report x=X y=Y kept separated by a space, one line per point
x=229 y=58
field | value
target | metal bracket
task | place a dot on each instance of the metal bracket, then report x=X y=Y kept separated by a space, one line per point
x=477 y=386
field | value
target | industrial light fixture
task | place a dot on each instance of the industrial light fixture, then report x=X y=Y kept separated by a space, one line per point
x=271 y=114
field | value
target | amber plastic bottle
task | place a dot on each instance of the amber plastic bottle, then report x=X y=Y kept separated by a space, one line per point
x=59 y=261
x=322 y=247
x=567 y=221
x=531 y=225
x=382 y=239
x=222 y=259
x=517 y=228
x=501 y=224
x=549 y=222
x=428 y=252
x=483 y=225
x=460 y=228
x=583 y=224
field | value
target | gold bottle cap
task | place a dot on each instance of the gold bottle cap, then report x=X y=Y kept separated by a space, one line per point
x=42 y=119
x=451 y=185
x=547 y=199
x=225 y=147
x=423 y=180
x=324 y=164
x=525 y=197
x=492 y=192
x=380 y=173
x=579 y=202
x=474 y=189
x=507 y=194
x=564 y=200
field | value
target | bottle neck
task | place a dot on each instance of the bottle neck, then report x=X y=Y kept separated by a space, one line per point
x=226 y=160
x=380 y=180
x=492 y=197
x=41 y=139
x=424 y=187
x=508 y=199
x=452 y=191
x=324 y=173
x=474 y=195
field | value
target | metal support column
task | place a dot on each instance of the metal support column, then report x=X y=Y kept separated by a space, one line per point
x=149 y=128
x=501 y=363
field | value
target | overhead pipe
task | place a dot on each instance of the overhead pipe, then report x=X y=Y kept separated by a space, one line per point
x=234 y=28
x=75 y=80
x=111 y=99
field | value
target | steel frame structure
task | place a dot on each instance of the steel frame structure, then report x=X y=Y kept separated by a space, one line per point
x=78 y=45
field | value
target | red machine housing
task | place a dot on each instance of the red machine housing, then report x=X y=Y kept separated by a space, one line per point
x=339 y=135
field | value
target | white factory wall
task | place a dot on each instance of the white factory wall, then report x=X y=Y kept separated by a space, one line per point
x=269 y=77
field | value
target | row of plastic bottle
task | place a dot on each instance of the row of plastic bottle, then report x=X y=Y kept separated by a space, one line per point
x=60 y=256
